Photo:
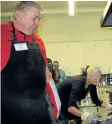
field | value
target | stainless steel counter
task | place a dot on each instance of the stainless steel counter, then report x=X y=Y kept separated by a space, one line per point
x=105 y=86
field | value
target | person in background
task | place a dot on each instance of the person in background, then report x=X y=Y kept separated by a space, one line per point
x=23 y=68
x=49 y=61
x=60 y=75
x=54 y=103
x=50 y=66
x=75 y=89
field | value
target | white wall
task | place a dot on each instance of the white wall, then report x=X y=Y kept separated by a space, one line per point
x=74 y=55
x=77 y=41
x=81 y=27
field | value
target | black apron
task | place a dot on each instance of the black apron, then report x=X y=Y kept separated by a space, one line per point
x=23 y=83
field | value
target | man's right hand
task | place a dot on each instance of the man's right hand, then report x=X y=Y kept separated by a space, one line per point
x=89 y=117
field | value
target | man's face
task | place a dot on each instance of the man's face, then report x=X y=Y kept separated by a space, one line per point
x=30 y=19
x=56 y=65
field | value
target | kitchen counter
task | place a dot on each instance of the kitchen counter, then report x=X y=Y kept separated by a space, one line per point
x=105 y=86
x=103 y=93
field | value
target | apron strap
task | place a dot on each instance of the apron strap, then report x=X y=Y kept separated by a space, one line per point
x=13 y=33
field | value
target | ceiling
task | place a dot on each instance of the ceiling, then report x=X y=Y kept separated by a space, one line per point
x=56 y=7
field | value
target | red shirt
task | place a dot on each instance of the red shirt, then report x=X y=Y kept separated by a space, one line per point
x=6 y=38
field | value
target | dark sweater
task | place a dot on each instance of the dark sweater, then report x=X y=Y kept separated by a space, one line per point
x=73 y=90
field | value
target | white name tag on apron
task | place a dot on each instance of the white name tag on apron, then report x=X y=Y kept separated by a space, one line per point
x=20 y=46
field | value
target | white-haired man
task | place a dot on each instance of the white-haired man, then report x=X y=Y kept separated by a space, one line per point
x=23 y=68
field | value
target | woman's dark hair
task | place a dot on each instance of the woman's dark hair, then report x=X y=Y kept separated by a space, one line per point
x=49 y=60
x=84 y=71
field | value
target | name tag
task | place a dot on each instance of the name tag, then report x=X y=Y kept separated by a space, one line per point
x=20 y=46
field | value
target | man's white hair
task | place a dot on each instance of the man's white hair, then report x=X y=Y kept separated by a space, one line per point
x=22 y=5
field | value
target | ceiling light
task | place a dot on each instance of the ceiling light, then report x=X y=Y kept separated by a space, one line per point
x=71 y=7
